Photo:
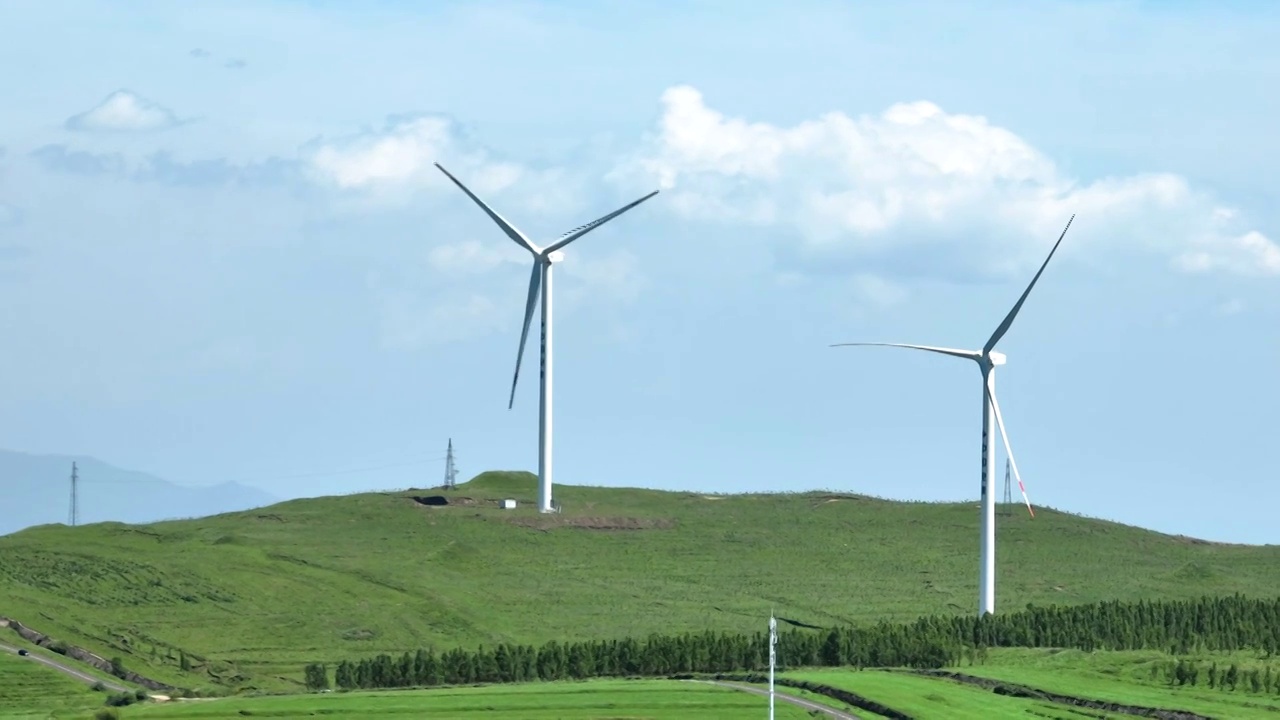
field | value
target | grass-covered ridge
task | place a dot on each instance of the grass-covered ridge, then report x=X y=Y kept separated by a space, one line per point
x=251 y=597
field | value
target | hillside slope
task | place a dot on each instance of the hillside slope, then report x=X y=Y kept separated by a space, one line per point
x=36 y=489
x=252 y=596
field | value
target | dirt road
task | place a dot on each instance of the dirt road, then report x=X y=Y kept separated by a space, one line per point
x=65 y=669
x=783 y=697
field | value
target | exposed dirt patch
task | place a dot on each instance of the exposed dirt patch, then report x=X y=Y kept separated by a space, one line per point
x=551 y=522
x=712 y=497
x=442 y=500
x=820 y=500
x=432 y=500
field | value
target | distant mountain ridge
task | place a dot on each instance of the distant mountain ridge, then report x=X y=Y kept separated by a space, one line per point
x=37 y=491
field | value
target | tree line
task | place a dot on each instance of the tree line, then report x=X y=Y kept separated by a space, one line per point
x=1227 y=677
x=1174 y=626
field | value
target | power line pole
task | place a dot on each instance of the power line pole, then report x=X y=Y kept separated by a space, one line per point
x=773 y=657
x=450 y=469
x=75 y=510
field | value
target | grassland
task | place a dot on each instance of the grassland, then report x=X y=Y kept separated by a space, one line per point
x=1127 y=677
x=250 y=597
x=29 y=690
x=594 y=700
x=1117 y=677
x=927 y=698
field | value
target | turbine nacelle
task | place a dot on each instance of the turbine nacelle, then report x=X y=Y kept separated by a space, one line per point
x=996 y=358
x=543 y=259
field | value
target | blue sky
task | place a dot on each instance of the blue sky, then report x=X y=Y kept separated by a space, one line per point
x=225 y=253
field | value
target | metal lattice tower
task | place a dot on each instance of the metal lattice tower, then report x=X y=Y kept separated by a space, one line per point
x=74 y=515
x=1008 y=491
x=450 y=469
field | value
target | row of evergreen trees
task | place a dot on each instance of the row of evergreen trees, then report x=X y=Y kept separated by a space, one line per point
x=1175 y=626
x=1230 y=677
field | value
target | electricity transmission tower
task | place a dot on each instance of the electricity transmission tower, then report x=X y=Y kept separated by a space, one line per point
x=450 y=469
x=74 y=515
x=1008 y=492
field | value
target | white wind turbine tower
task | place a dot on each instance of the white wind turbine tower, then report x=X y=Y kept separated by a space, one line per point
x=543 y=258
x=988 y=360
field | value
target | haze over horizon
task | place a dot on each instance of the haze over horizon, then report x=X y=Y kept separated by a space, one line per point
x=226 y=256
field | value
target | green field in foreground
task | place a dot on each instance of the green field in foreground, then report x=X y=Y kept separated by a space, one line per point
x=251 y=597
x=31 y=690
x=592 y=700
x=1126 y=677
x=1120 y=677
x=928 y=698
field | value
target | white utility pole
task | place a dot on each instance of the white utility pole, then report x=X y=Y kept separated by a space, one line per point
x=773 y=658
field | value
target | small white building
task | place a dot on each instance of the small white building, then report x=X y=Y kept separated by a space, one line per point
x=507 y=504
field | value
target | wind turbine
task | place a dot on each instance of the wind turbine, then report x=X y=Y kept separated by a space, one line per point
x=543 y=258
x=988 y=359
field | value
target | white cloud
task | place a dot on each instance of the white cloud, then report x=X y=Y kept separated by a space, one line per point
x=409 y=319
x=882 y=187
x=451 y=298
x=392 y=164
x=877 y=291
x=1234 y=306
x=123 y=111
x=615 y=276
x=471 y=257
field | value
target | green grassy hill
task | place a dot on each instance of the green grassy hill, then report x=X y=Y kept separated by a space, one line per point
x=31 y=690
x=250 y=597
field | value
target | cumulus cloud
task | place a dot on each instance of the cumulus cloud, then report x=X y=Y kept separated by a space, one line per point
x=123 y=111
x=1234 y=306
x=394 y=163
x=614 y=274
x=471 y=257
x=161 y=167
x=409 y=319
x=877 y=189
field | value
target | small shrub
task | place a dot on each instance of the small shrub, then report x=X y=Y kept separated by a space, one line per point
x=123 y=699
x=98 y=686
x=106 y=714
x=140 y=695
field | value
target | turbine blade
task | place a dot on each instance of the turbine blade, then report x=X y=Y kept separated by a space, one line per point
x=535 y=280
x=1008 y=450
x=581 y=230
x=970 y=354
x=507 y=227
x=1008 y=320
